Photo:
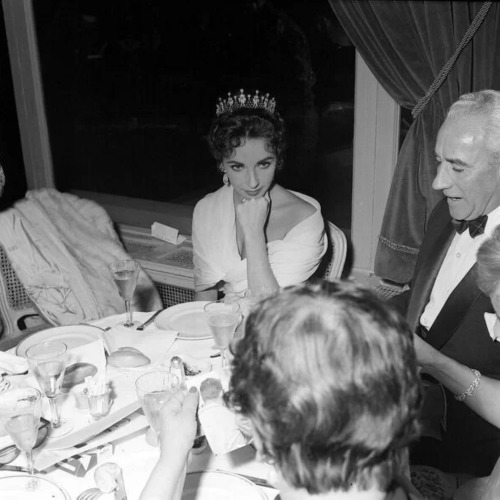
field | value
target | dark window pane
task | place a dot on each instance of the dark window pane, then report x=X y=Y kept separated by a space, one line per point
x=131 y=87
x=11 y=157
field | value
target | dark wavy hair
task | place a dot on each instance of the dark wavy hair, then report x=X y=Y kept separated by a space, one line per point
x=327 y=376
x=230 y=130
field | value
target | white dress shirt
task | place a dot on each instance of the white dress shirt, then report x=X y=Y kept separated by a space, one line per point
x=460 y=258
x=493 y=323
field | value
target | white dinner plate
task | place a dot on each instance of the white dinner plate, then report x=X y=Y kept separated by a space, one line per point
x=188 y=319
x=218 y=485
x=72 y=335
x=14 y=488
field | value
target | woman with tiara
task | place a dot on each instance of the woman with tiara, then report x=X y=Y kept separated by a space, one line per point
x=253 y=233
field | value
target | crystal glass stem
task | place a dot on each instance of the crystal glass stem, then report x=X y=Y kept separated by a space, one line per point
x=223 y=360
x=129 y=321
x=56 y=419
x=29 y=461
x=33 y=483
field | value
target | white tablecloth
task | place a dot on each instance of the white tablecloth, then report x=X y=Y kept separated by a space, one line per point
x=136 y=457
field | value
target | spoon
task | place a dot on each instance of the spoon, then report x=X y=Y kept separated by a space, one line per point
x=17 y=468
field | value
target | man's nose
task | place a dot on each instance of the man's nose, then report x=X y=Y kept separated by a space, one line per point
x=442 y=179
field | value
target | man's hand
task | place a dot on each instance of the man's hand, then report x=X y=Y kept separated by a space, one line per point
x=178 y=422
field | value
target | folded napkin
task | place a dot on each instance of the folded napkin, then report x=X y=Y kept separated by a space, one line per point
x=12 y=364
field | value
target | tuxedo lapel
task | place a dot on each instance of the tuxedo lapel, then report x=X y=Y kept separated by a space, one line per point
x=432 y=254
x=454 y=310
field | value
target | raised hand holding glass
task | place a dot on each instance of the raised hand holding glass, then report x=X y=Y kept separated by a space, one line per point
x=153 y=390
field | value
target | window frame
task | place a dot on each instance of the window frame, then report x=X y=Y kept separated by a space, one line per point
x=375 y=148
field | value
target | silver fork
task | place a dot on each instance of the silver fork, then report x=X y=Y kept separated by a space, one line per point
x=90 y=494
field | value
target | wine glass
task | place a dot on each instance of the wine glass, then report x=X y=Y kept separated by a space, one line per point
x=125 y=274
x=154 y=389
x=20 y=411
x=47 y=361
x=223 y=318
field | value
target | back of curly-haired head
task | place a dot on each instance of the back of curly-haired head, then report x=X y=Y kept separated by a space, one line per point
x=230 y=130
x=327 y=375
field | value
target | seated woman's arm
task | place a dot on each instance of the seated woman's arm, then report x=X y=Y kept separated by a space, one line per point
x=178 y=430
x=484 y=400
x=252 y=216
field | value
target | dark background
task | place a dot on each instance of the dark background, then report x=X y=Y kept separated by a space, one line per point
x=131 y=86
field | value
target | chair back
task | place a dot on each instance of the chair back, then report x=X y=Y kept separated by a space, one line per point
x=18 y=314
x=336 y=253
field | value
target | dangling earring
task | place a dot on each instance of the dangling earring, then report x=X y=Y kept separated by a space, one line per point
x=225 y=180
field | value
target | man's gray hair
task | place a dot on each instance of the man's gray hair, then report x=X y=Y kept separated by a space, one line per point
x=484 y=103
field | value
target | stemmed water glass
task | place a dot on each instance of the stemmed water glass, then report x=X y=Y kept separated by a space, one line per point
x=154 y=389
x=125 y=273
x=223 y=318
x=47 y=361
x=20 y=411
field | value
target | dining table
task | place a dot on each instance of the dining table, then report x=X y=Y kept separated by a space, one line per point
x=123 y=437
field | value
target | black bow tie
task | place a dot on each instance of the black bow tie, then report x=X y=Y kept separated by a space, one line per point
x=476 y=226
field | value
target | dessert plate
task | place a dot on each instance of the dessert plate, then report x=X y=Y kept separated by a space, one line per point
x=72 y=335
x=14 y=488
x=188 y=319
x=218 y=485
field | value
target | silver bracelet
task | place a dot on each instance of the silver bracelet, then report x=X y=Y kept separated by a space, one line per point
x=475 y=384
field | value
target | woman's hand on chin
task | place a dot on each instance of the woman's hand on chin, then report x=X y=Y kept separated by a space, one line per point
x=252 y=214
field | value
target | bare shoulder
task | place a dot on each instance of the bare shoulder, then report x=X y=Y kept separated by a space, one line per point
x=296 y=207
x=288 y=210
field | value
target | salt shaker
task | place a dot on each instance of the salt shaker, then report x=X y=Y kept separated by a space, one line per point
x=177 y=369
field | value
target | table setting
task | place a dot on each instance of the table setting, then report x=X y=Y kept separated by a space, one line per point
x=97 y=392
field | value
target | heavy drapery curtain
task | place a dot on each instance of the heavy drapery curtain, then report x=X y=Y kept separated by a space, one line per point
x=405 y=45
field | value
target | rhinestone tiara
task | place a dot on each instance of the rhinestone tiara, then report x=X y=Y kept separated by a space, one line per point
x=234 y=102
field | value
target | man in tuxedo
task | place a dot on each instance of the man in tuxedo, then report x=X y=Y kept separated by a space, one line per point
x=444 y=305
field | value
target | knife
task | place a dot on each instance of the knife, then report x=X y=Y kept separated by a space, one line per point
x=17 y=468
x=150 y=320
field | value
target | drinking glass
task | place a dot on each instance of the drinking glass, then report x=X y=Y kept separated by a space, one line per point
x=154 y=389
x=223 y=318
x=20 y=411
x=47 y=361
x=125 y=274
